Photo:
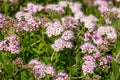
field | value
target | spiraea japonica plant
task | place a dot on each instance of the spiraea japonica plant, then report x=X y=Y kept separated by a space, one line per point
x=60 y=40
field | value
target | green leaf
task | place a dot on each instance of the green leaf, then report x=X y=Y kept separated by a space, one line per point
x=77 y=58
x=23 y=75
x=36 y=50
x=115 y=68
x=112 y=77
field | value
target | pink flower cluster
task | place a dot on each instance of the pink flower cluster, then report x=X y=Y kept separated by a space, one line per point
x=27 y=15
x=39 y=69
x=67 y=35
x=64 y=41
x=54 y=28
x=97 y=38
x=28 y=18
x=69 y=22
x=90 y=48
x=60 y=44
x=62 y=76
x=104 y=60
x=2 y=18
x=109 y=31
x=74 y=6
x=94 y=35
x=90 y=59
x=103 y=6
x=10 y=43
x=88 y=65
x=33 y=8
x=97 y=35
x=66 y=27
x=55 y=7
x=89 y=22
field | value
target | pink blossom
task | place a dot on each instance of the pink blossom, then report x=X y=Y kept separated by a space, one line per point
x=54 y=28
x=58 y=45
x=50 y=70
x=94 y=35
x=90 y=48
x=109 y=31
x=2 y=17
x=33 y=8
x=69 y=22
x=69 y=44
x=55 y=7
x=67 y=35
x=88 y=67
x=104 y=60
x=62 y=76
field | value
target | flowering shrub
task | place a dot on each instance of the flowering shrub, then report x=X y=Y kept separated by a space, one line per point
x=60 y=40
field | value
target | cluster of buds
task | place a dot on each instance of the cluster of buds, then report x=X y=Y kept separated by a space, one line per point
x=39 y=70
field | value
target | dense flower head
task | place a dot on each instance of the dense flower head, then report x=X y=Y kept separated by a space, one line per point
x=63 y=3
x=18 y=61
x=101 y=2
x=78 y=15
x=2 y=17
x=58 y=45
x=16 y=25
x=19 y=15
x=90 y=18
x=13 y=44
x=69 y=44
x=33 y=63
x=75 y=7
x=103 y=9
x=10 y=43
x=54 y=28
x=62 y=76
x=31 y=23
x=89 y=21
x=116 y=12
x=55 y=7
x=67 y=35
x=39 y=71
x=70 y=22
x=109 y=31
x=3 y=45
x=90 y=48
x=88 y=67
x=33 y=8
x=103 y=5
x=89 y=58
x=94 y=35
x=38 y=68
x=104 y=60
x=50 y=70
